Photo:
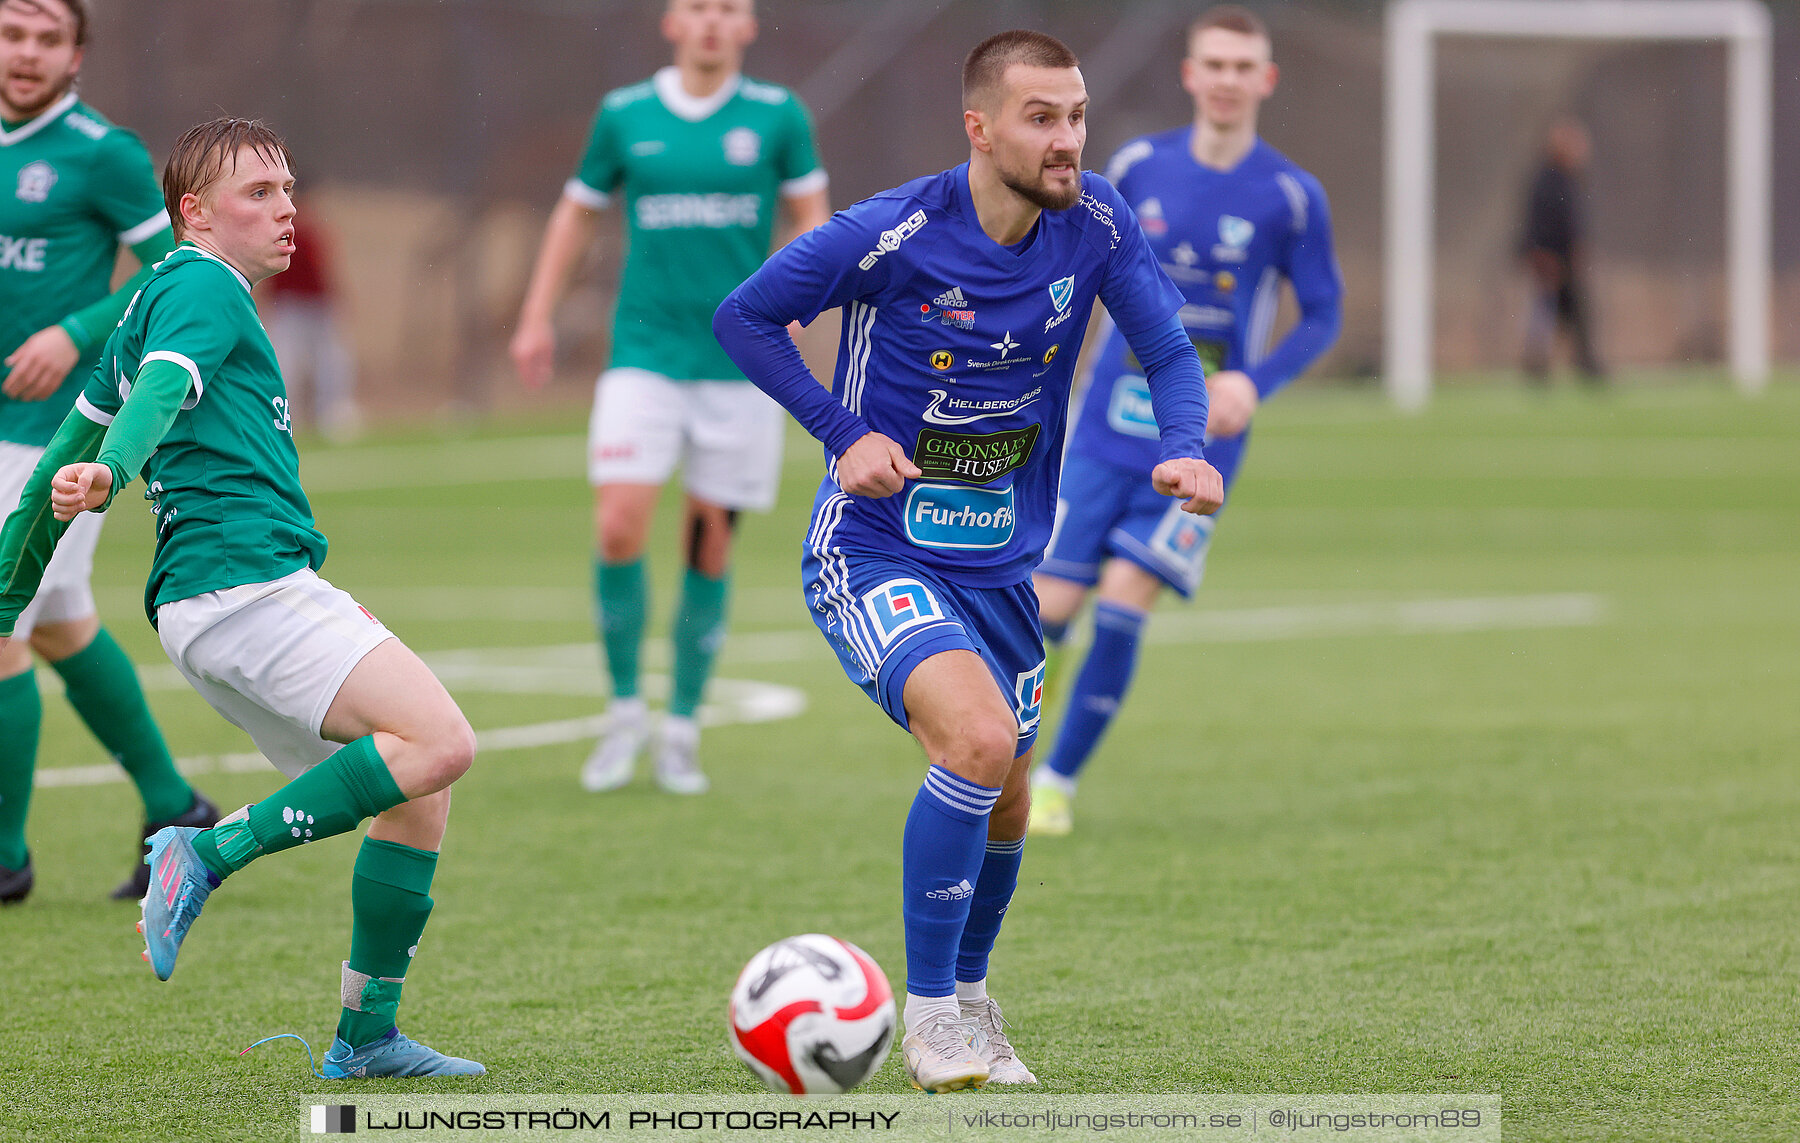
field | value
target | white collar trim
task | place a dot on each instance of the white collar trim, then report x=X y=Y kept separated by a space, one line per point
x=667 y=83
x=235 y=272
x=31 y=127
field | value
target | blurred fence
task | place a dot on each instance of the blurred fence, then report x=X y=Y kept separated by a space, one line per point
x=434 y=135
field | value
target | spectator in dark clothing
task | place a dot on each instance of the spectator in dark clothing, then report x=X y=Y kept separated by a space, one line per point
x=1554 y=246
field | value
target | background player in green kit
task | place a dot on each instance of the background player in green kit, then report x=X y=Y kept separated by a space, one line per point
x=701 y=158
x=73 y=188
x=188 y=393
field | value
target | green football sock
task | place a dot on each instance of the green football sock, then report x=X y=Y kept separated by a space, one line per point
x=699 y=633
x=329 y=799
x=390 y=901
x=103 y=688
x=21 y=717
x=622 y=603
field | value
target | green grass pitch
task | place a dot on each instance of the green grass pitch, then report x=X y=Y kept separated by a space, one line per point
x=1471 y=769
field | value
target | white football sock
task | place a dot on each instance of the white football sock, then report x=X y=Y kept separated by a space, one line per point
x=920 y=1010
x=971 y=991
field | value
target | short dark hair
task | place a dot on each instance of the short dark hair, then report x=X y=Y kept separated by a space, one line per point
x=200 y=156
x=1232 y=18
x=77 y=9
x=986 y=65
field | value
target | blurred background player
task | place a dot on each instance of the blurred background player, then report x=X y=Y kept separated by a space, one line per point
x=302 y=316
x=355 y=720
x=702 y=156
x=1553 y=243
x=1228 y=217
x=73 y=189
x=967 y=294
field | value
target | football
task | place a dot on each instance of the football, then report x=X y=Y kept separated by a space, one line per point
x=811 y=1015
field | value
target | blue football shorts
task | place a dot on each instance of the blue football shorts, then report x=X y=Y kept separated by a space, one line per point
x=884 y=615
x=1103 y=511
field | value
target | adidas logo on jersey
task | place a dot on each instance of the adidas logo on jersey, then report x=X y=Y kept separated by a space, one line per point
x=956 y=892
x=951 y=299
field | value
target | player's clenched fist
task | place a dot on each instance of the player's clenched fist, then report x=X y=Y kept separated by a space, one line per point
x=1198 y=483
x=79 y=488
x=875 y=466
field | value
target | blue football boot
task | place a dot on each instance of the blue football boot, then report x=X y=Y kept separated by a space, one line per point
x=392 y=1056
x=179 y=887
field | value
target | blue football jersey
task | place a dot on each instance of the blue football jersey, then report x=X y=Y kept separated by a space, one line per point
x=962 y=351
x=1227 y=239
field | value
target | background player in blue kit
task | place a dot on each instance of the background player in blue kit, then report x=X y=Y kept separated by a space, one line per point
x=1228 y=217
x=966 y=295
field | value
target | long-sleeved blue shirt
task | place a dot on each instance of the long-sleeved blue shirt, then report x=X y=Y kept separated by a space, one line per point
x=1227 y=239
x=961 y=350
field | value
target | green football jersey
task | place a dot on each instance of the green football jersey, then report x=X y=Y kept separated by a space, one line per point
x=701 y=180
x=72 y=188
x=224 y=484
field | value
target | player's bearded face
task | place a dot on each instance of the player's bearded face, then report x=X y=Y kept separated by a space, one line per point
x=38 y=56
x=1038 y=136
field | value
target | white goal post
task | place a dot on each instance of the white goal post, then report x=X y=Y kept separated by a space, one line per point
x=1412 y=29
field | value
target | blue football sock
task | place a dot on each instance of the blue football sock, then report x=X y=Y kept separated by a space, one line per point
x=940 y=859
x=993 y=893
x=1099 y=688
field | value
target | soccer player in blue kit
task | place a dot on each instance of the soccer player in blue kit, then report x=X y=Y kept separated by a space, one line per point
x=966 y=295
x=1228 y=217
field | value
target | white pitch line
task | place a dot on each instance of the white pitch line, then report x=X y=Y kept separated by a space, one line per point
x=730 y=701
x=573 y=668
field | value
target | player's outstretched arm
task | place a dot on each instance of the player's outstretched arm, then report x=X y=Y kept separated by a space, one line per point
x=570 y=232
x=32 y=530
x=818 y=271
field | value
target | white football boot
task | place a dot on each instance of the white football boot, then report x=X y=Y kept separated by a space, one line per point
x=678 y=757
x=1004 y=1065
x=615 y=755
x=941 y=1056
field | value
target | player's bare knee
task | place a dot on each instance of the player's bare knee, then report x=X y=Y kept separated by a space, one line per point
x=619 y=542
x=446 y=753
x=982 y=749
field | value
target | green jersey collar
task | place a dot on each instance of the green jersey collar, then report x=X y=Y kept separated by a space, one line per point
x=205 y=253
x=667 y=83
x=31 y=127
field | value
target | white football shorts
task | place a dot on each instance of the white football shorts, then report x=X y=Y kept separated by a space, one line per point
x=726 y=435
x=270 y=657
x=65 y=593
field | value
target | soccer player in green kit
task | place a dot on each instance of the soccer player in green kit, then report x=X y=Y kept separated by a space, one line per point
x=188 y=394
x=701 y=159
x=73 y=189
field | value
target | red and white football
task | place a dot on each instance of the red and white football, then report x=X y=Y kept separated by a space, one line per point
x=812 y=1015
